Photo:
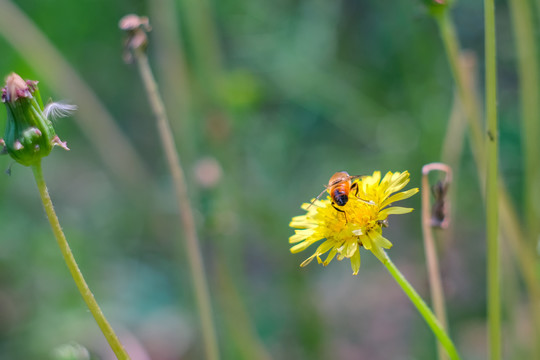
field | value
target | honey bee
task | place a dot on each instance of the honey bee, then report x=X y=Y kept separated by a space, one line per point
x=339 y=188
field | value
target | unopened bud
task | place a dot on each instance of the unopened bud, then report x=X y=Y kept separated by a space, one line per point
x=29 y=135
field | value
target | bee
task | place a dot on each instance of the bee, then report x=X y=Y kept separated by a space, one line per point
x=339 y=188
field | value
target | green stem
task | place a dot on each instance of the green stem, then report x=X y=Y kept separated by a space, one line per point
x=526 y=262
x=454 y=137
x=463 y=83
x=424 y=310
x=172 y=73
x=201 y=32
x=194 y=255
x=87 y=295
x=527 y=66
x=492 y=200
x=432 y=261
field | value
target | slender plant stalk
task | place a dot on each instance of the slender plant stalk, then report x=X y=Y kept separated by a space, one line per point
x=452 y=147
x=509 y=220
x=492 y=199
x=424 y=310
x=201 y=31
x=87 y=295
x=526 y=261
x=175 y=83
x=510 y=303
x=95 y=121
x=240 y=326
x=432 y=261
x=465 y=91
x=172 y=73
x=186 y=215
x=527 y=67
x=456 y=129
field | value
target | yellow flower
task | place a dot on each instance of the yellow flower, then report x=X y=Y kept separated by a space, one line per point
x=359 y=223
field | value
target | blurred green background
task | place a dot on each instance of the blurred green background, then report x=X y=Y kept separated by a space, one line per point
x=271 y=97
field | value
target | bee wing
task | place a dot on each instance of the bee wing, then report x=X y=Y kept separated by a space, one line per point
x=354 y=177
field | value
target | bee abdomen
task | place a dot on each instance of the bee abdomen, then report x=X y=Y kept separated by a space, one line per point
x=340 y=198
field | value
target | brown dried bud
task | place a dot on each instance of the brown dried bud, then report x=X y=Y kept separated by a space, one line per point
x=136 y=28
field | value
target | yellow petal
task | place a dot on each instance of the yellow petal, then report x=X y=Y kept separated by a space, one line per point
x=307 y=261
x=325 y=246
x=377 y=249
x=394 y=210
x=312 y=206
x=299 y=221
x=399 y=196
x=330 y=256
x=380 y=240
x=388 y=177
x=398 y=182
x=351 y=249
x=305 y=206
x=300 y=235
x=300 y=247
x=371 y=180
x=366 y=241
x=355 y=262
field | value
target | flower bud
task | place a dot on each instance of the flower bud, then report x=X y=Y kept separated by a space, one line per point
x=136 y=28
x=29 y=135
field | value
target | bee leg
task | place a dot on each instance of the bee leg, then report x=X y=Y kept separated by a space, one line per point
x=344 y=213
x=355 y=187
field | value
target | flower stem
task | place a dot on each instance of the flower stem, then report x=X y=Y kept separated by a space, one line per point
x=87 y=295
x=186 y=215
x=492 y=201
x=432 y=261
x=424 y=310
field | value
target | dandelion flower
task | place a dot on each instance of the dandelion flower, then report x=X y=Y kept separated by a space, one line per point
x=358 y=224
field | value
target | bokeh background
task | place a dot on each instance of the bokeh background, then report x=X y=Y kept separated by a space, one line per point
x=267 y=100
